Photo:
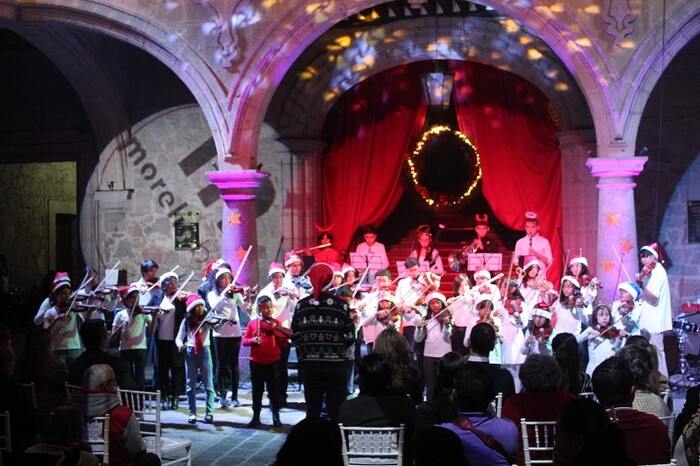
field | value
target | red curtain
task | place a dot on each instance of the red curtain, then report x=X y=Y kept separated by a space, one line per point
x=378 y=121
x=507 y=119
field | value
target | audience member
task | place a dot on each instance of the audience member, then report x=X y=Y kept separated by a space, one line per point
x=542 y=399
x=573 y=379
x=405 y=377
x=64 y=431
x=585 y=435
x=376 y=406
x=436 y=445
x=658 y=382
x=482 y=340
x=126 y=447
x=95 y=338
x=639 y=361
x=312 y=442
x=646 y=436
x=25 y=422
x=442 y=407
x=485 y=439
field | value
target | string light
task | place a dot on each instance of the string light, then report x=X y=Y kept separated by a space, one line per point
x=440 y=200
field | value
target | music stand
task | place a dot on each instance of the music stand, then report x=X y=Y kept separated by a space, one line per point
x=401 y=267
x=361 y=262
x=489 y=261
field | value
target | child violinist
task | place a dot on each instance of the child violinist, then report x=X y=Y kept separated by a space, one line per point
x=571 y=310
x=514 y=322
x=627 y=311
x=539 y=333
x=603 y=337
x=532 y=283
x=62 y=322
x=193 y=337
x=578 y=268
x=265 y=336
x=486 y=313
x=434 y=329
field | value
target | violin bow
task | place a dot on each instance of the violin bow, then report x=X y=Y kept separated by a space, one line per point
x=540 y=277
x=619 y=260
x=107 y=275
x=75 y=296
x=157 y=282
x=179 y=290
x=354 y=293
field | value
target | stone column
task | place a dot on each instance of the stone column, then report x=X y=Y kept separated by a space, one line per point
x=303 y=206
x=238 y=229
x=617 y=227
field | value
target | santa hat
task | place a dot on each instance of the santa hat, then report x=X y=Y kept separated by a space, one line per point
x=436 y=295
x=168 y=275
x=337 y=270
x=632 y=288
x=221 y=271
x=291 y=258
x=570 y=279
x=125 y=291
x=320 y=275
x=578 y=260
x=60 y=280
x=347 y=268
x=386 y=295
x=275 y=267
x=530 y=261
x=193 y=300
x=654 y=249
x=482 y=273
x=213 y=264
x=542 y=310
x=483 y=298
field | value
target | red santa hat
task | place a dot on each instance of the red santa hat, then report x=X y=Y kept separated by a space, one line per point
x=193 y=300
x=275 y=267
x=212 y=265
x=125 y=291
x=168 y=275
x=482 y=273
x=337 y=270
x=60 y=280
x=436 y=295
x=320 y=275
x=291 y=259
x=347 y=268
x=578 y=260
x=386 y=295
x=570 y=279
x=654 y=249
x=529 y=261
x=542 y=310
x=221 y=271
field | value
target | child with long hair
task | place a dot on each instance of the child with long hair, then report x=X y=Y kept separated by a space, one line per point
x=435 y=330
x=539 y=333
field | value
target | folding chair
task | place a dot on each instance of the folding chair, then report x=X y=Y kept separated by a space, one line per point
x=97 y=436
x=372 y=445
x=589 y=395
x=5 y=435
x=538 y=441
x=31 y=388
x=498 y=404
x=146 y=408
x=72 y=390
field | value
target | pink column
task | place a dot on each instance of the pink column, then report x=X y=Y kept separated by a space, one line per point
x=238 y=190
x=617 y=224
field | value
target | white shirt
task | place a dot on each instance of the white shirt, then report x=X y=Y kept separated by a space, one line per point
x=375 y=251
x=226 y=309
x=657 y=318
x=539 y=244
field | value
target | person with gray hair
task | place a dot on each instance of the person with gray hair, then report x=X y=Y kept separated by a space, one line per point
x=126 y=447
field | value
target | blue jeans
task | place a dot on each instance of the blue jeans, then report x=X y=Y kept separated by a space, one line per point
x=199 y=362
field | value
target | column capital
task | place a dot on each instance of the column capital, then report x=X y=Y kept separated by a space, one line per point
x=616 y=172
x=237 y=185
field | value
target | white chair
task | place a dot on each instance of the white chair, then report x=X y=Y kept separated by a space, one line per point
x=146 y=408
x=97 y=436
x=372 y=445
x=589 y=395
x=669 y=421
x=72 y=390
x=538 y=436
x=498 y=404
x=5 y=437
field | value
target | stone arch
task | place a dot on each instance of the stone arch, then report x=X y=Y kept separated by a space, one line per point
x=469 y=39
x=135 y=29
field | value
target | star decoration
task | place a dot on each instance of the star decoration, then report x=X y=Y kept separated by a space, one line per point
x=240 y=254
x=234 y=218
x=626 y=246
x=608 y=265
x=612 y=219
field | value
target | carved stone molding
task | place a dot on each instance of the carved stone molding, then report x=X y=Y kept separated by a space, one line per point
x=224 y=21
x=619 y=16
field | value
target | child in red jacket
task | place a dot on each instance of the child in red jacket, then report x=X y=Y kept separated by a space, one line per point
x=265 y=336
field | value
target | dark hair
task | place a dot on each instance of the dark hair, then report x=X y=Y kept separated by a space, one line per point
x=474 y=388
x=92 y=332
x=263 y=299
x=448 y=365
x=324 y=233
x=438 y=445
x=639 y=361
x=411 y=262
x=147 y=264
x=565 y=349
x=482 y=339
x=383 y=273
x=594 y=314
x=612 y=382
x=603 y=441
x=375 y=374
x=540 y=373
x=457 y=282
x=321 y=435
x=368 y=229
x=655 y=376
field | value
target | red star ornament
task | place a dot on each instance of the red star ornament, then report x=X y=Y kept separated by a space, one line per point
x=608 y=265
x=234 y=218
x=612 y=219
x=240 y=254
x=626 y=246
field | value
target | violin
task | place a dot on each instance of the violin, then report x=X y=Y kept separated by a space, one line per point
x=388 y=316
x=576 y=300
x=146 y=310
x=105 y=291
x=608 y=332
x=284 y=291
x=643 y=276
x=273 y=327
x=589 y=280
x=77 y=307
